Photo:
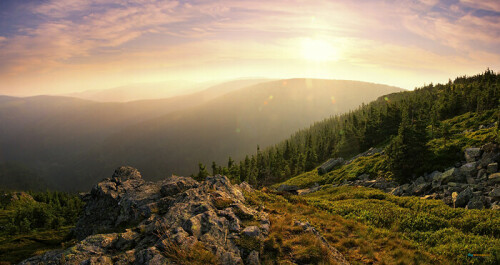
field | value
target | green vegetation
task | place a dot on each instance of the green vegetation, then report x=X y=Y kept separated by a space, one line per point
x=445 y=231
x=439 y=155
x=34 y=222
x=359 y=243
x=404 y=121
x=369 y=226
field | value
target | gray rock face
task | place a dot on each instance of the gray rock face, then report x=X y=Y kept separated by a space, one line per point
x=468 y=170
x=472 y=154
x=330 y=165
x=492 y=168
x=128 y=220
x=463 y=198
x=475 y=203
x=494 y=178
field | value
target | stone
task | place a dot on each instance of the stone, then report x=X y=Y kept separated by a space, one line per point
x=495 y=193
x=174 y=212
x=431 y=176
x=494 y=178
x=445 y=177
x=330 y=165
x=463 y=198
x=468 y=170
x=309 y=190
x=251 y=231
x=470 y=180
x=492 y=168
x=175 y=185
x=475 y=203
x=472 y=154
x=399 y=190
x=419 y=180
x=421 y=188
x=245 y=186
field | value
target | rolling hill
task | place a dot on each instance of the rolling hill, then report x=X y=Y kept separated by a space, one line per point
x=43 y=134
x=233 y=124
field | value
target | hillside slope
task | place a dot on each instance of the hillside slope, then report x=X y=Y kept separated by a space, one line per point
x=46 y=134
x=233 y=124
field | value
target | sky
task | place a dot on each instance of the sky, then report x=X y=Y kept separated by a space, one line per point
x=64 y=46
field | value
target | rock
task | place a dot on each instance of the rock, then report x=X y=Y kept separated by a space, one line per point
x=495 y=193
x=494 y=178
x=309 y=190
x=445 y=177
x=472 y=154
x=431 y=176
x=421 y=188
x=287 y=188
x=475 y=203
x=495 y=206
x=492 y=168
x=489 y=158
x=245 y=186
x=175 y=185
x=468 y=170
x=251 y=231
x=470 y=180
x=253 y=258
x=330 y=165
x=173 y=213
x=419 y=180
x=463 y=198
x=399 y=190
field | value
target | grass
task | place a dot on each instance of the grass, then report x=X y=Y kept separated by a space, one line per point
x=359 y=242
x=451 y=233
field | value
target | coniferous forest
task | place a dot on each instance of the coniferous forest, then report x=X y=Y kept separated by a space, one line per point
x=401 y=122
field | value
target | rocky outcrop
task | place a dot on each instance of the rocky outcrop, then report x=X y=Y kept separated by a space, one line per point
x=127 y=220
x=330 y=165
x=472 y=184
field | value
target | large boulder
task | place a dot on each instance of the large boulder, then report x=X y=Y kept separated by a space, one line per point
x=494 y=178
x=468 y=170
x=330 y=165
x=492 y=168
x=463 y=198
x=475 y=203
x=449 y=175
x=127 y=220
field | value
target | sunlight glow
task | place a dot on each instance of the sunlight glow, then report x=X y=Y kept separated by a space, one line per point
x=318 y=50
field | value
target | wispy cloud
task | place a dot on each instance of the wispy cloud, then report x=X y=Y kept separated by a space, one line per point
x=135 y=36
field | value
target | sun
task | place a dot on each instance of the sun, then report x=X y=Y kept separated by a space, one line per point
x=318 y=50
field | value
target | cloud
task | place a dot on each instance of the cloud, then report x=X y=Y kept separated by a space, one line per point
x=139 y=35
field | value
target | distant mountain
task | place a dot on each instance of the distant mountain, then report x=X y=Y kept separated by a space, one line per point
x=160 y=90
x=70 y=143
x=46 y=133
x=232 y=125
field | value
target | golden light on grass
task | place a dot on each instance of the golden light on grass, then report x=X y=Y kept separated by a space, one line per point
x=318 y=50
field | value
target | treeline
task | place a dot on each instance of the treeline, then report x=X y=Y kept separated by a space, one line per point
x=404 y=121
x=28 y=211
